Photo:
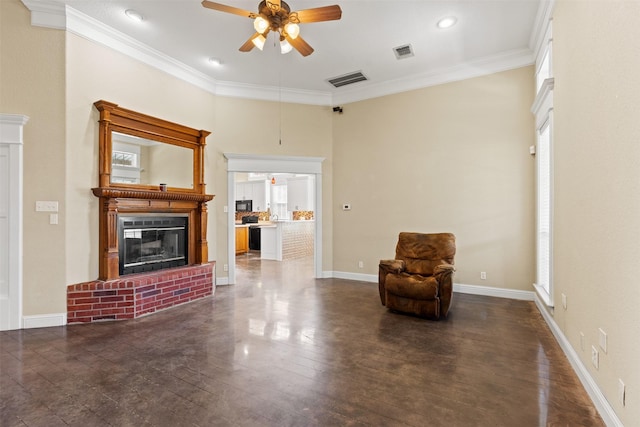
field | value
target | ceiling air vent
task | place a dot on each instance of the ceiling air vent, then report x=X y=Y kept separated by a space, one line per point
x=403 y=51
x=347 y=79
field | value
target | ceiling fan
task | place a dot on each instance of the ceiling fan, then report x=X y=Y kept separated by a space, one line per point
x=276 y=16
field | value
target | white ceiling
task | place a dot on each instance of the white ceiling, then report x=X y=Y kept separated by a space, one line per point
x=490 y=35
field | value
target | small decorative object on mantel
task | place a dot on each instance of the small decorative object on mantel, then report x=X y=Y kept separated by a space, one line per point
x=163 y=187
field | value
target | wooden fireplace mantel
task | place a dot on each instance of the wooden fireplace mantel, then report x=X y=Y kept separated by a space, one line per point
x=118 y=201
x=119 y=193
x=119 y=198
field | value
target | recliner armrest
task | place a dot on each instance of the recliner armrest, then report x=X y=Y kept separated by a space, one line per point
x=443 y=268
x=392 y=265
x=387 y=266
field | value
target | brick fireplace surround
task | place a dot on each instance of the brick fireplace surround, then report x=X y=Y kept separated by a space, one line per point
x=136 y=295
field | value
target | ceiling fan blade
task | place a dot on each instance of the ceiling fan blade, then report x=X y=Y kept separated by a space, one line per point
x=248 y=45
x=318 y=14
x=229 y=9
x=300 y=45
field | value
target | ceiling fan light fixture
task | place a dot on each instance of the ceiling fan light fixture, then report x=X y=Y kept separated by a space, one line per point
x=258 y=41
x=292 y=29
x=260 y=24
x=285 y=47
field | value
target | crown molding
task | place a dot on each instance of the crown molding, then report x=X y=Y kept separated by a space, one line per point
x=480 y=67
x=91 y=29
x=46 y=13
x=544 y=15
x=272 y=93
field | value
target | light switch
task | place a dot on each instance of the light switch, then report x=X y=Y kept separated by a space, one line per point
x=53 y=219
x=46 y=206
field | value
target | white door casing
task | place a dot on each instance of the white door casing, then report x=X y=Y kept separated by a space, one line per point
x=11 y=126
x=272 y=164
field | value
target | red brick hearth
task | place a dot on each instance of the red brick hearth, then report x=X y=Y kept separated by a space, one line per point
x=136 y=295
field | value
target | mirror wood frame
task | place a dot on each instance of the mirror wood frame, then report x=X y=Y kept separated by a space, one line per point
x=141 y=199
x=117 y=119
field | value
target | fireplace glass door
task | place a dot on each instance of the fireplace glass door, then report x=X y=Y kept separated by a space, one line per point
x=151 y=243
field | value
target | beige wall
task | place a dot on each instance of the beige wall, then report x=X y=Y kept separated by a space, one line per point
x=254 y=127
x=596 y=63
x=32 y=78
x=450 y=158
x=95 y=72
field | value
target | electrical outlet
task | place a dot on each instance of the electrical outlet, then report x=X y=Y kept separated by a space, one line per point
x=483 y=275
x=581 y=341
x=564 y=301
x=360 y=264
x=53 y=218
x=621 y=392
x=225 y=209
x=225 y=267
x=602 y=339
x=594 y=356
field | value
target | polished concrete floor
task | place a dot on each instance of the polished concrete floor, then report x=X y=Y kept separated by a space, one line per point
x=282 y=349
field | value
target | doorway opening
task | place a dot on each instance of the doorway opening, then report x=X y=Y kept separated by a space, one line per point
x=282 y=216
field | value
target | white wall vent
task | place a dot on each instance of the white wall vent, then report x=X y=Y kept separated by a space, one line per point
x=347 y=79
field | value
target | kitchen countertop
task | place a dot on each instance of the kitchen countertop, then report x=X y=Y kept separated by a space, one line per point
x=270 y=223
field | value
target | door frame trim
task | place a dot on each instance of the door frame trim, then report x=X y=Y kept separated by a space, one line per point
x=11 y=135
x=273 y=164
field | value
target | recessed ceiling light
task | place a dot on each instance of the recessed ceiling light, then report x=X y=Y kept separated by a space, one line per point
x=216 y=62
x=447 y=22
x=134 y=15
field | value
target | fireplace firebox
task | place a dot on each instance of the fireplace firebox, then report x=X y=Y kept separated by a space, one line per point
x=148 y=243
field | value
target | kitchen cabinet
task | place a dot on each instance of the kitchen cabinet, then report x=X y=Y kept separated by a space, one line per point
x=300 y=194
x=242 y=239
x=244 y=191
x=257 y=191
x=261 y=195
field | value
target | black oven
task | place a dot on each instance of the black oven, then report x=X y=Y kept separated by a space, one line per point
x=244 y=206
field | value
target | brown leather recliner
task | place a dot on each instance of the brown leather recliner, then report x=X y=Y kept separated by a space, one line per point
x=420 y=280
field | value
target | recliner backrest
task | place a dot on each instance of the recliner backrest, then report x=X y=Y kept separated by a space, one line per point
x=421 y=252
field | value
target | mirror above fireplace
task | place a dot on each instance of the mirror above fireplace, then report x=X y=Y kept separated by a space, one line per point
x=141 y=152
x=136 y=160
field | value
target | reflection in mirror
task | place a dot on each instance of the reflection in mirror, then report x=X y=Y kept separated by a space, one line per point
x=137 y=160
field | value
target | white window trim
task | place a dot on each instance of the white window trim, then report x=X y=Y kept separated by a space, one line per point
x=545 y=296
x=543 y=109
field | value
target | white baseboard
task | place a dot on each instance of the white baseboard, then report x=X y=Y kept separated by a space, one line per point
x=602 y=405
x=457 y=287
x=44 y=320
x=350 y=276
x=493 y=292
x=222 y=281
